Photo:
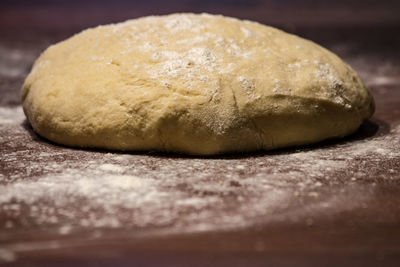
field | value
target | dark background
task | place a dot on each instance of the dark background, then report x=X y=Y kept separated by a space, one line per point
x=47 y=15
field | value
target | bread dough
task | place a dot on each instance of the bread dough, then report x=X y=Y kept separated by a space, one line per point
x=194 y=84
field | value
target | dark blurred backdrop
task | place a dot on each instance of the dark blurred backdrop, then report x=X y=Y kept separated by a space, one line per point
x=55 y=15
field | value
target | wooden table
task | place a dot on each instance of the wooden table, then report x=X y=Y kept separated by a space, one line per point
x=333 y=204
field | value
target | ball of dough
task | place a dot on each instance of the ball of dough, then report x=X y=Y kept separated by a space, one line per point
x=194 y=84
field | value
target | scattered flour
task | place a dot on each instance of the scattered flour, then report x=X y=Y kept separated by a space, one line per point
x=111 y=167
x=68 y=190
x=11 y=115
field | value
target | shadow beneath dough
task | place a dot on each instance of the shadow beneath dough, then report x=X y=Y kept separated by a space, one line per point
x=369 y=129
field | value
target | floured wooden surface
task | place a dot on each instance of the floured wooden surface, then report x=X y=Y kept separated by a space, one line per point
x=57 y=198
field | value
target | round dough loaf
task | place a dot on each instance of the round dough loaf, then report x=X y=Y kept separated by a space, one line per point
x=194 y=84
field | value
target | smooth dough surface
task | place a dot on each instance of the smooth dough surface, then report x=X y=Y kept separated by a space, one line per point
x=194 y=84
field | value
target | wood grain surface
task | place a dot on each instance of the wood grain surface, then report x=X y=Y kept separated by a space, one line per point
x=332 y=204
